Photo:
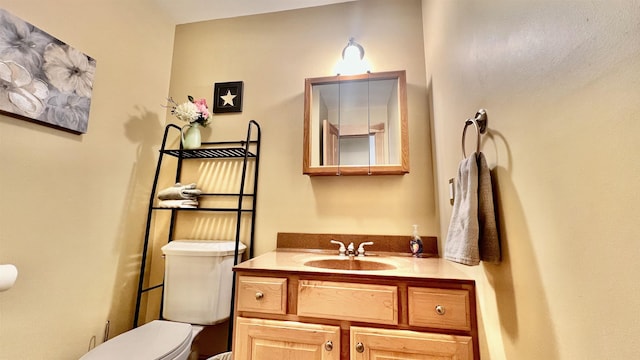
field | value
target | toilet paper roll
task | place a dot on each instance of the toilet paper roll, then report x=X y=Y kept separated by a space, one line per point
x=8 y=276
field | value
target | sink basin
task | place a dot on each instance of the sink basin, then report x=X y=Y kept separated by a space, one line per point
x=350 y=264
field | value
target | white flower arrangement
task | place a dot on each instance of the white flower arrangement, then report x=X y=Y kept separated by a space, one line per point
x=192 y=111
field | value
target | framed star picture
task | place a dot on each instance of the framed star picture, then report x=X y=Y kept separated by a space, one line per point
x=227 y=97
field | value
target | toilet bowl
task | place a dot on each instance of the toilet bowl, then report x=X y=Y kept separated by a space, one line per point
x=197 y=290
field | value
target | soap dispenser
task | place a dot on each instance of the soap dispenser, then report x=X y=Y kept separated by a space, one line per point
x=416 y=243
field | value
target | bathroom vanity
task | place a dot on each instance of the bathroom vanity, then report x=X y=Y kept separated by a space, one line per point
x=314 y=304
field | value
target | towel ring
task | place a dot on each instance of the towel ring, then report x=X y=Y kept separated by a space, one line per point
x=480 y=123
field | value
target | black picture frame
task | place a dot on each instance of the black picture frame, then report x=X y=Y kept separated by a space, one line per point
x=227 y=97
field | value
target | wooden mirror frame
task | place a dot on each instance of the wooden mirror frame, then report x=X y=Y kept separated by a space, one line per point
x=400 y=168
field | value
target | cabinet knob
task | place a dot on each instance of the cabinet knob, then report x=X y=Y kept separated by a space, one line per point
x=440 y=310
x=328 y=345
x=360 y=347
x=259 y=295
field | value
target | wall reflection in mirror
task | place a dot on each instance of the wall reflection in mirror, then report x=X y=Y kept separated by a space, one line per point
x=356 y=125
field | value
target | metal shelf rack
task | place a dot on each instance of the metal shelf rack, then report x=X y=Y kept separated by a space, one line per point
x=247 y=150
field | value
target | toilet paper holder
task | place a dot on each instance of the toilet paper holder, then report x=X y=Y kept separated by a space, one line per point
x=8 y=276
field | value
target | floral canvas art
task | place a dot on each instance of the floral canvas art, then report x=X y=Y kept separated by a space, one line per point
x=42 y=78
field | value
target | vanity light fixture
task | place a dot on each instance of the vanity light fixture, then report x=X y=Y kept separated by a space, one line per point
x=353 y=51
x=353 y=61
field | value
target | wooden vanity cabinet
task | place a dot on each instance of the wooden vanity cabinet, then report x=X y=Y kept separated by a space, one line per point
x=280 y=315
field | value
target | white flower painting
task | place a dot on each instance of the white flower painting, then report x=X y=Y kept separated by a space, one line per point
x=42 y=78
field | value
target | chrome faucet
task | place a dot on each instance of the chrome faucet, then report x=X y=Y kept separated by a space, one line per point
x=351 y=250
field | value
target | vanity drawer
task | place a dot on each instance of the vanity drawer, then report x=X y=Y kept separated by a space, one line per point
x=262 y=294
x=439 y=308
x=348 y=301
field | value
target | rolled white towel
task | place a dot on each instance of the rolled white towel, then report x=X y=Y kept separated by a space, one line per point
x=182 y=204
x=179 y=192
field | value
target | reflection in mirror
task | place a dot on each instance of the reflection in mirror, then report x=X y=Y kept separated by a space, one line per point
x=356 y=125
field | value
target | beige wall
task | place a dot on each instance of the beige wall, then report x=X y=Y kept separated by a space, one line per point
x=273 y=54
x=73 y=206
x=561 y=82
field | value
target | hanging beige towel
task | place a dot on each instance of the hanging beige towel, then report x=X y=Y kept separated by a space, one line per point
x=462 y=238
x=179 y=192
x=488 y=241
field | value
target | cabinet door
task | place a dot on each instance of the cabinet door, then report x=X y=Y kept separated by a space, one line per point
x=257 y=339
x=385 y=344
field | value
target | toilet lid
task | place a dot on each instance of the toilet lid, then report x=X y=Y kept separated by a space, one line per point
x=157 y=340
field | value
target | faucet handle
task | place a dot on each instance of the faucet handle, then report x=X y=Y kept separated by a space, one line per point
x=342 y=249
x=361 y=247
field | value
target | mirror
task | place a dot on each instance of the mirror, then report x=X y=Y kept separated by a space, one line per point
x=356 y=125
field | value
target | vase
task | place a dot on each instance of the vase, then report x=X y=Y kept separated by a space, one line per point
x=190 y=136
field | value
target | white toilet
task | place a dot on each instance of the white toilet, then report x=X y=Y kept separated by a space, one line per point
x=197 y=290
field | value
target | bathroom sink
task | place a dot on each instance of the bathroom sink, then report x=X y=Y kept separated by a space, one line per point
x=349 y=264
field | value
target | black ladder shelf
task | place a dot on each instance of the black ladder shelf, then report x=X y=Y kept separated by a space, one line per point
x=247 y=150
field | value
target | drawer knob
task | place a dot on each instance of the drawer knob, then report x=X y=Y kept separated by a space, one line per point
x=440 y=310
x=328 y=345
x=259 y=295
x=360 y=347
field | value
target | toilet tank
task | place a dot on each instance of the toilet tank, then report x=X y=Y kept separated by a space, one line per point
x=198 y=279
